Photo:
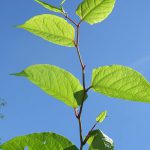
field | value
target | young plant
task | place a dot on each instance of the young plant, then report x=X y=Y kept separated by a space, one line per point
x=114 y=81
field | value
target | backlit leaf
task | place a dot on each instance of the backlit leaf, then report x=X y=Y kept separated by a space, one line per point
x=121 y=82
x=51 y=28
x=39 y=141
x=99 y=141
x=62 y=2
x=56 y=82
x=94 y=11
x=49 y=7
x=101 y=116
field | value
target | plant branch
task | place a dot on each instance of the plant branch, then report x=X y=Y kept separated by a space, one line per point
x=80 y=128
x=80 y=22
x=67 y=17
x=78 y=50
x=83 y=83
x=76 y=112
x=80 y=131
x=88 y=88
x=76 y=43
x=88 y=135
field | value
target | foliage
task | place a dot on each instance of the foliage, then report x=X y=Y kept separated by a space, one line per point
x=49 y=7
x=99 y=141
x=94 y=11
x=39 y=141
x=51 y=28
x=101 y=117
x=114 y=81
x=55 y=81
x=121 y=82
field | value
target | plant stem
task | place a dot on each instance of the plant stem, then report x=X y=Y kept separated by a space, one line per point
x=83 y=83
x=66 y=16
x=76 y=43
x=88 y=135
x=88 y=88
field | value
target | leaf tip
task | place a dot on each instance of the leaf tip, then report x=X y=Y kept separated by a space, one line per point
x=37 y=1
x=19 y=26
x=22 y=73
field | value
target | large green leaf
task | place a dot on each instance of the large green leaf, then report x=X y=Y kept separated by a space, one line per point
x=121 y=82
x=101 y=117
x=55 y=82
x=49 y=7
x=94 y=11
x=99 y=141
x=51 y=28
x=39 y=141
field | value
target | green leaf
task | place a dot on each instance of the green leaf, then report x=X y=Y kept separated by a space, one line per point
x=62 y=2
x=55 y=82
x=94 y=11
x=101 y=116
x=51 y=28
x=121 y=82
x=49 y=7
x=99 y=141
x=39 y=141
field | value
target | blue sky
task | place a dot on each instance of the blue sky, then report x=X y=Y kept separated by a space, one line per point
x=123 y=39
